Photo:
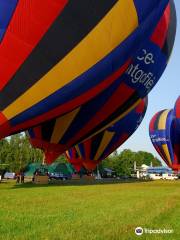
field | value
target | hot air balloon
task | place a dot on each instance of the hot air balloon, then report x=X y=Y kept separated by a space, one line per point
x=46 y=136
x=101 y=145
x=165 y=137
x=106 y=108
x=56 y=63
x=177 y=113
x=176 y=133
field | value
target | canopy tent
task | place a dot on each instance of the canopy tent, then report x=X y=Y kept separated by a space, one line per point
x=64 y=168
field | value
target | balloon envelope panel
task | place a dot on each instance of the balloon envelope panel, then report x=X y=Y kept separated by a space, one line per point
x=7 y=8
x=62 y=65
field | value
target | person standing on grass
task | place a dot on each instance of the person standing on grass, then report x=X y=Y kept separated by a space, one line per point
x=17 y=177
x=22 y=177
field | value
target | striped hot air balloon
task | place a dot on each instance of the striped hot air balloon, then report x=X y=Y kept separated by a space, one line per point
x=176 y=133
x=107 y=107
x=101 y=145
x=47 y=135
x=58 y=57
x=165 y=137
x=177 y=113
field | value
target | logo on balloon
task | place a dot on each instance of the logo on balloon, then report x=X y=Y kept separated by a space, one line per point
x=156 y=139
x=138 y=75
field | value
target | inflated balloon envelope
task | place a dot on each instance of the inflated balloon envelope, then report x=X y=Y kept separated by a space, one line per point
x=93 y=150
x=42 y=137
x=59 y=63
x=176 y=134
x=112 y=104
x=165 y=137
x=177 y=113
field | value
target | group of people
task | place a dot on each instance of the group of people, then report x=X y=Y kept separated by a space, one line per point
x=20 y=177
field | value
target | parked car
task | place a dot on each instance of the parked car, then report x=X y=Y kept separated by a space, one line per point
x=165 y=176
x=155 y=176
x=59 y=176
x=108 y=173
x=170 y=176
x=9 y=175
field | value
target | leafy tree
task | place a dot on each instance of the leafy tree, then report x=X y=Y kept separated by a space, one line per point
x=123 y=163
x=61 y=159
x=17 y=152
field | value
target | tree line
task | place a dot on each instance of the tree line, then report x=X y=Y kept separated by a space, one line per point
x=123 y=163
x=16 y=152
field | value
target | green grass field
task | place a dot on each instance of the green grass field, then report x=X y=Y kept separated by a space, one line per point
x=92 y=212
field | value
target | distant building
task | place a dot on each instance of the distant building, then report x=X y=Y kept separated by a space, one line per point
x=159 y=170
x=141 y=172
x=155 y=173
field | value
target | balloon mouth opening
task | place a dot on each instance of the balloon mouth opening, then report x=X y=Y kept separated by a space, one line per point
x=50 y=156
x=175 y=167
x=90 y=165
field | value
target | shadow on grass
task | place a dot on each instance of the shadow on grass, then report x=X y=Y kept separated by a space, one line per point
x=4 y=182
x=80 y=182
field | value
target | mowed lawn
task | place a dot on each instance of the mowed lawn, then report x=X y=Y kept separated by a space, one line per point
x=92 y=212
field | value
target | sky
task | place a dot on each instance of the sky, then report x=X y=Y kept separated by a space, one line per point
x=162 y=96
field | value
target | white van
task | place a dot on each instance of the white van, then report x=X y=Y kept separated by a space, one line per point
x=155 y=176
x=9 y=175
x=169 y=176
